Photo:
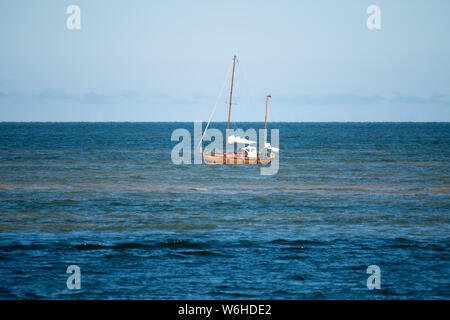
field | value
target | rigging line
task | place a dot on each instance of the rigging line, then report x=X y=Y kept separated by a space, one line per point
x=215 y=106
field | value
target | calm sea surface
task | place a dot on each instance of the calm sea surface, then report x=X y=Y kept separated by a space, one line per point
x=106 y=197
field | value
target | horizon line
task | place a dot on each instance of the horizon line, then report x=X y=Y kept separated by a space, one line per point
x=193 y=121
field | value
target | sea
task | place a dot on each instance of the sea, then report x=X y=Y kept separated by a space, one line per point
x=355 y=211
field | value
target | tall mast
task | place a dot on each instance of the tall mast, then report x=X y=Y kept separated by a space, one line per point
x=229 y=108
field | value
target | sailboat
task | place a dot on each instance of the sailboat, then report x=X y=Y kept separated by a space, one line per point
x=247 y=154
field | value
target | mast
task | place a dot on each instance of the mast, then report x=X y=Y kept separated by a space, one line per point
x=229 y=108
x=265 y=123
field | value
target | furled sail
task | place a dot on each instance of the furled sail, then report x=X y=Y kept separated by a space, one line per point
x=235 y=139
x=268 y=146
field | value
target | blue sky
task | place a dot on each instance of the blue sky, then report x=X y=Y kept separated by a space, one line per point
x=166 y=60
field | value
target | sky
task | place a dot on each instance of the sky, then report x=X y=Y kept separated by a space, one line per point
x=167 y=60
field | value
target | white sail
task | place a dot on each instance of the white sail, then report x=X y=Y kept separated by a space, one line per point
x=268 y=146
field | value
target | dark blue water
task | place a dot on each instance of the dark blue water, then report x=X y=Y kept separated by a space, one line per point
x=106 y=197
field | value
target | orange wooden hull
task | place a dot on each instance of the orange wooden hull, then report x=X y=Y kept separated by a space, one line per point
x=233 y=158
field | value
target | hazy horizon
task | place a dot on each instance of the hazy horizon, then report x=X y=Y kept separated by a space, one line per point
x=166 y=61
x=222 y=122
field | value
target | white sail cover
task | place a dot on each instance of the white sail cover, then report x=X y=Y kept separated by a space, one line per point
x=234 y=139
x=268 y=146
x=251 y=151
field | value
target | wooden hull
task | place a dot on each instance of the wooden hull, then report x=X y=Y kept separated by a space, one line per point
x=235 y=158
